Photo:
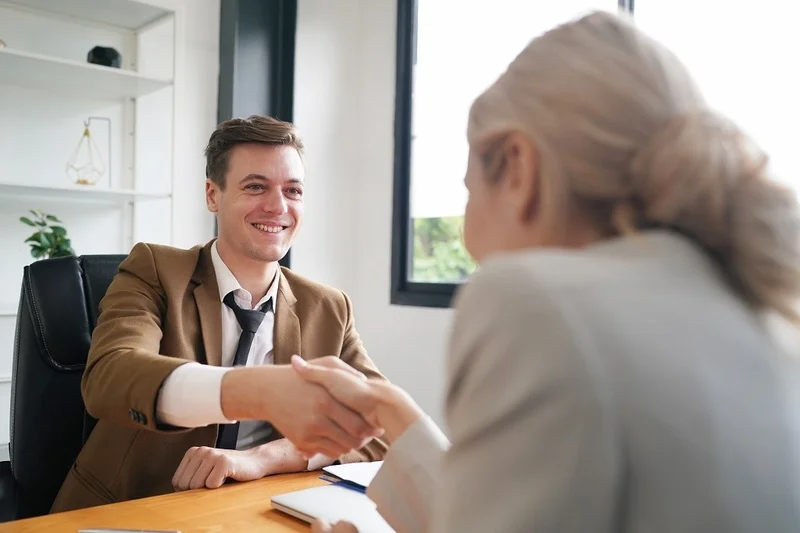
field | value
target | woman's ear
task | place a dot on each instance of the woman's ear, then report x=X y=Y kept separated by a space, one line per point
x=522 y=182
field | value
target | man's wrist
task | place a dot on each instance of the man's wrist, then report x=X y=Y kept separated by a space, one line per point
x=277 y=457
x=264 y=456
x=230 y=394
x=243 y=390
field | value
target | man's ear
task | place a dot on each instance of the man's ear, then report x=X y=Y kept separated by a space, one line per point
x=212 y=196
x=522 y=175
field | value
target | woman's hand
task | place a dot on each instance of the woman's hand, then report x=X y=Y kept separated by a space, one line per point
x=305 y=413
x=320 y=526
x=380 y=403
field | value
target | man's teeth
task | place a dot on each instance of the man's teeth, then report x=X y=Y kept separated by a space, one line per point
x=268 y=229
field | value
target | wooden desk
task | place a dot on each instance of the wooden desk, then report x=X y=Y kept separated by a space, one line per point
x=239 y=507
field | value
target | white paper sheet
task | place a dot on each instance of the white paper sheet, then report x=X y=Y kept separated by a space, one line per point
x=359 y=473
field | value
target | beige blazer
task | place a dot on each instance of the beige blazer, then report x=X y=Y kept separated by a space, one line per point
x=162 y=310
x=619 y=388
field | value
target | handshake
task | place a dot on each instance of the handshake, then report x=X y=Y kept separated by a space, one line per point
x=323 y=406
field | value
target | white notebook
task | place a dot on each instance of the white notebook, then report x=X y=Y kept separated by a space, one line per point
x=333 y=503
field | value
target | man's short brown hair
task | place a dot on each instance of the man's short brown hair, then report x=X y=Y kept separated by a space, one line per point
x=253 y=129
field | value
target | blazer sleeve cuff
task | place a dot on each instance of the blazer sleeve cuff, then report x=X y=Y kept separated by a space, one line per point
x=145 y=388
x=374 y=450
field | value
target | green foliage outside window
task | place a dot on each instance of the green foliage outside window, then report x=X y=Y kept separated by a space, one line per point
x=439 y=252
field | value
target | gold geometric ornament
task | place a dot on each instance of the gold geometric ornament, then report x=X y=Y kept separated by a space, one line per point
x=86 y=166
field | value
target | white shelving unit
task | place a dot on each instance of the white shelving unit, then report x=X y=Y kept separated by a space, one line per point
x=78 y=193
x=48 y=89
x=37 y=71
x=126 y=14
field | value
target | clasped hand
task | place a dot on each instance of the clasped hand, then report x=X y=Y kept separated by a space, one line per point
x=379 y=403
x=327 y=407
x=383 y=406
x=314 y=418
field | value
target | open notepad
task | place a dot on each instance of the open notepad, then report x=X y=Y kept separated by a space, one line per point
x=333 y=503
x=343 y=500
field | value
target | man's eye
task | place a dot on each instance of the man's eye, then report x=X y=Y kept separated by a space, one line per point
x=294 y=191
x=255 y=187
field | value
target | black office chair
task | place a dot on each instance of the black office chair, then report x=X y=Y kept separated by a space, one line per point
x=57 y=312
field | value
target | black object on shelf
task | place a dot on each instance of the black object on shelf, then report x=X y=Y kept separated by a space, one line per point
x=104 y=55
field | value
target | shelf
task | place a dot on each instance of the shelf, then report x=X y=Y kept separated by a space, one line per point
x=77 y=193
x=36 y=71
x=127 y=14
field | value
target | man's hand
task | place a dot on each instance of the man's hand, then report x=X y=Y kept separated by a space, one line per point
x=320 y=526
x=210 y=467
x=305 y=413
x=381 y=404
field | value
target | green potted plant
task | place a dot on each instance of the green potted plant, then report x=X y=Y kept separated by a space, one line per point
x=50 y=238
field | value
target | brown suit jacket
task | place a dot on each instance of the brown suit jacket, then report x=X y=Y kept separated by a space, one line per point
x=162 y=310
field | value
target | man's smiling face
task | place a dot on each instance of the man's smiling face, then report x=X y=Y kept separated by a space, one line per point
x=260 y=207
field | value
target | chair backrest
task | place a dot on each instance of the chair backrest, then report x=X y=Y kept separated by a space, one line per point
x=57 y=313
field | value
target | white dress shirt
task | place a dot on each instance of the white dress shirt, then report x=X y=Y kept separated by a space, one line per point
x=190 y=396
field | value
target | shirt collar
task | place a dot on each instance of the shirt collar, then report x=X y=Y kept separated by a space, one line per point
x=226 y=281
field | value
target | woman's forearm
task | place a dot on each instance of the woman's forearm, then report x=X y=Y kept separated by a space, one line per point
x=396 y=410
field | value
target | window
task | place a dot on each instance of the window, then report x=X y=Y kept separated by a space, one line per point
x=744 y=58
x=448 y=51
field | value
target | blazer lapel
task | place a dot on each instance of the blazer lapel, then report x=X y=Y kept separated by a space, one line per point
x=286 y=341
x=206 y=296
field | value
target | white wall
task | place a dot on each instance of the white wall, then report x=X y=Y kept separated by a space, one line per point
x=344 y=107
x=195 y=105
x=56 y=128
x=196 y=83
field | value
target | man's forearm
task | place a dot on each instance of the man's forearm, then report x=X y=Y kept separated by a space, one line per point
x=242 y=392
x=196 y=395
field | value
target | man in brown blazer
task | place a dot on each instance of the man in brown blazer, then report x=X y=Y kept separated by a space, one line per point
x=190 y=355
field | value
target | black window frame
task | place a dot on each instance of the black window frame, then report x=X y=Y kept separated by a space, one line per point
x=404 y=291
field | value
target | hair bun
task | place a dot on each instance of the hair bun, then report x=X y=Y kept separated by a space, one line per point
x=702 y=175
x=684 y=174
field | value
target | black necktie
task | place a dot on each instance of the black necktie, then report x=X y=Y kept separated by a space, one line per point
x=249 y=320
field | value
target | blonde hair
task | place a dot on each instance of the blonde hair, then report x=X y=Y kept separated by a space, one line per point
x=622 y=131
